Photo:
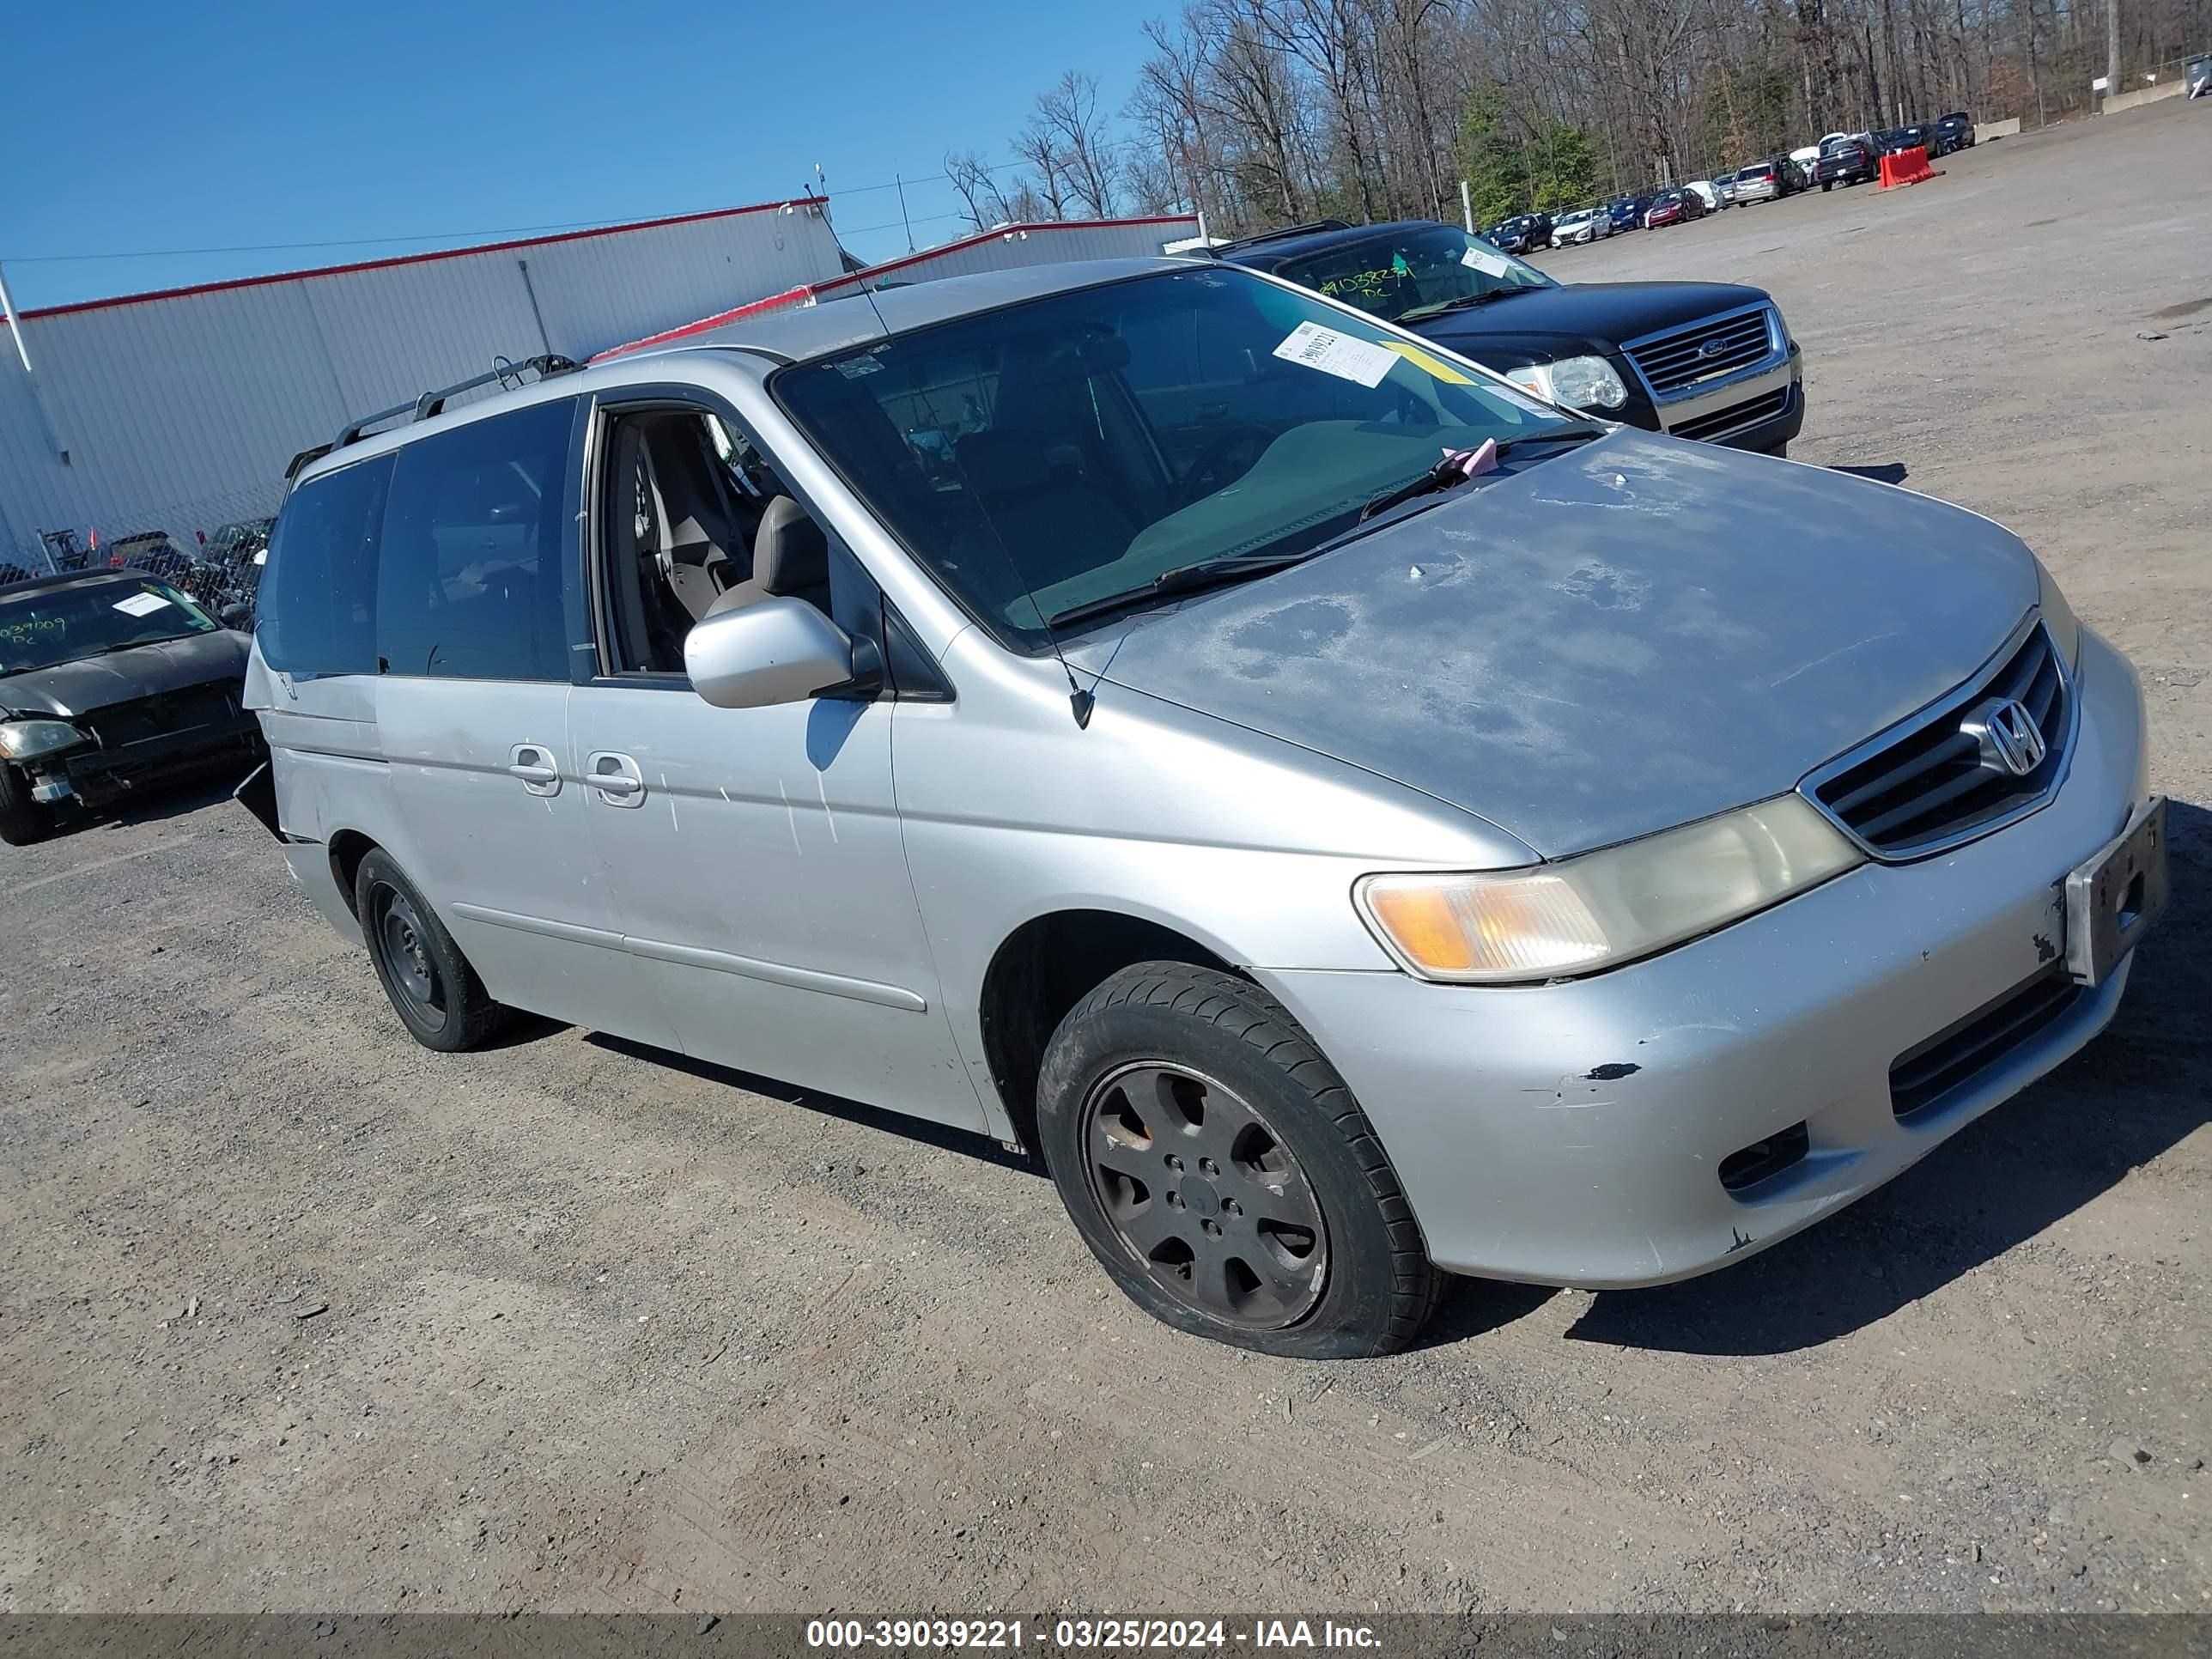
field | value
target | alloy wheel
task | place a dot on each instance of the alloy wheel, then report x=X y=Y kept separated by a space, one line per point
x=1205 y=1194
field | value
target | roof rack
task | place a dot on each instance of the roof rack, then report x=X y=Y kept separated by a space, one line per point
x=508 y=374
x=1278 y=235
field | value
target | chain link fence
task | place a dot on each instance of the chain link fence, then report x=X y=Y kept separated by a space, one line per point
x=211 y=548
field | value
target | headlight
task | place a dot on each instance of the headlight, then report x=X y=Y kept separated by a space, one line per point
x=1577 y=382
x=2058 y=616
x=28 y=739
x=1605 y=907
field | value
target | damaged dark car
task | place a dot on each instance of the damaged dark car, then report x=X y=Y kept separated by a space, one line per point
x=111 y=682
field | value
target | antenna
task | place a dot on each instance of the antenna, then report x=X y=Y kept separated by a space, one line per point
x=1080 y=701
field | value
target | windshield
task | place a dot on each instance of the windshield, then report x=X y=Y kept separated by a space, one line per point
x=1414 y=269
x=1044 y=455
x=53 y=625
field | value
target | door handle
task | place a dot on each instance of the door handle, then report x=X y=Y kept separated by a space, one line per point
x=615 y=778
x=533 y=763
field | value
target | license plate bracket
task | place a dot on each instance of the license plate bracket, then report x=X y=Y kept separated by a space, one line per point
x=2113 y=898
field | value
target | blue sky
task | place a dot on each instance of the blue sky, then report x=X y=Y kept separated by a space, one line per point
x=132 y=127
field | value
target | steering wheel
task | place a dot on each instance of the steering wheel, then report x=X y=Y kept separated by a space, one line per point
x=1213 y=469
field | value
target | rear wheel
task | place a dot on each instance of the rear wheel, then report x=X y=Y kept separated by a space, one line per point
x=22 y=819
x=1223 y=1174
x=435 y=992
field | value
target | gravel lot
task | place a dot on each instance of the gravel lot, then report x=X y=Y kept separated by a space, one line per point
x=296 y=1316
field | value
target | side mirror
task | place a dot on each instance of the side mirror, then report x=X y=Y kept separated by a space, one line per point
x=773 y=651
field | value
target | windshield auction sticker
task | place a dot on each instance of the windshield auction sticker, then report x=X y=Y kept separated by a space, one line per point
x=1339 y=354
x=1489 y=263
x=141 y=605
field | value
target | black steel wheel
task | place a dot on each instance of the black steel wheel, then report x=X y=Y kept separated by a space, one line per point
x=433 y=989
x=1223 y=1174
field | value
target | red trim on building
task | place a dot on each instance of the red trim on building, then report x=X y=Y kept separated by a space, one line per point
x=807 y=293
x=995 y=233
x=413 y=258
x=797 y=295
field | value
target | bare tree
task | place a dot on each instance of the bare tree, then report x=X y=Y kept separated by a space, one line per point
x=980 y=200
x=1068 y=117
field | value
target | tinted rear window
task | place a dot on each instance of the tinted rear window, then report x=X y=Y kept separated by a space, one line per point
x=474 y=565
x=318 y=599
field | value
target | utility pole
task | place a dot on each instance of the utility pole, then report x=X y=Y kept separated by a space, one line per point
x=1466 y=209
x=2112 y=87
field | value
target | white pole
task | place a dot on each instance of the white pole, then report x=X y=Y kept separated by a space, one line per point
x=1466 y=208
x=9 y=305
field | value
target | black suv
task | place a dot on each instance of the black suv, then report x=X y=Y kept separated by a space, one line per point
x=1698 y=360
x=1846 y=161
x=1955 y=131
x=1524 y=233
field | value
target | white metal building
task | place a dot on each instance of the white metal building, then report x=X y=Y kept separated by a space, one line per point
x=1003 y=247
x=179 y=410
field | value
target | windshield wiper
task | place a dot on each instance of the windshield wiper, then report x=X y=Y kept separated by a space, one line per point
x=1183 y=579
x=1451 y=471
x=1466 y=299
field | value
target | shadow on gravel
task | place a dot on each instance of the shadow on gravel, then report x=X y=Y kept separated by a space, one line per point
x=2138 y=1090
x=170 y=801
x=965 y=1142
x=1891 y=472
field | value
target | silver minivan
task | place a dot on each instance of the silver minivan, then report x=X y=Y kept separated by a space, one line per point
x=1354 y=820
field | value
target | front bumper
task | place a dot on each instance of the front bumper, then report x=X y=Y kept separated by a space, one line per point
x=1761 y=409
x=1574 y=1133
x=98 y=776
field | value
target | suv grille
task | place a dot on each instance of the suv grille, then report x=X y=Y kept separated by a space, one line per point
x=166 y=715
x=1946 y=778
x=1765 y=407
x=1684 y=356
x=1923 y=1074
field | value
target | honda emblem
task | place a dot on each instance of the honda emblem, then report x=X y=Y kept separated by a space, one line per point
x=2010 y=740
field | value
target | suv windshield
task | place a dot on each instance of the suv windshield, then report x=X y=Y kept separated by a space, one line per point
x=53 y=625
x=1045 y=455
x=1414 y=270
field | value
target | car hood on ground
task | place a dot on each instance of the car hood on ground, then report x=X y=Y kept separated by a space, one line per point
x=143 y=670
x=1633 y=634
x=1584 y=316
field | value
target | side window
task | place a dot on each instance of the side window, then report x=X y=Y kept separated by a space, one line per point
x=475 y=551
x=317 y=595
x=693 y=522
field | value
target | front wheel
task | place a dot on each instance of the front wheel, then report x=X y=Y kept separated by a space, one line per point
x=1223 y=1174
x=435 y=992
x=23 y=818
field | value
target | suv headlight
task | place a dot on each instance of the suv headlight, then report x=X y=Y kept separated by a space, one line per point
x=28 y=739
x=2058 y=616
x=1605 y=907
x=1577 y=382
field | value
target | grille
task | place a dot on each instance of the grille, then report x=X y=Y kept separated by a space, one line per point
x=1684 y=356
x=1922 y=1076
x=166 y=715
x=1762 y=407
x=1747 y=1166
x=1939 y=783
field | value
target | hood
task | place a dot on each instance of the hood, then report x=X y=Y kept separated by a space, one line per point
x=143 y=670
x=1630 y=635
x=1580 y=317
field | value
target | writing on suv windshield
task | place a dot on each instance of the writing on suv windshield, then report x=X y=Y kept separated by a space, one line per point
x=1414 y=272
x=1045 y=455
x=53 y=625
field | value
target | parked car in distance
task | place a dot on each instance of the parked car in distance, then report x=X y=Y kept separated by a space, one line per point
x=1956 y=129
x=1627 y=213
x=1724 y=187
x=1708 y=194
x=1673 y=207
x=156 y=551
x=2197 y=74
x=1524 y=233
x=1584 y=225
x=1847 y=160
x=1702 y=359
x=1805 y=162
x=1611 y=778
x=1898 y=139
x=111 y=682
x=1762 y=181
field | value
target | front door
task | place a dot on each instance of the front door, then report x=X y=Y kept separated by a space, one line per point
x=755 y=856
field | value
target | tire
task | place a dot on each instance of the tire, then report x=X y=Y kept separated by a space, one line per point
x=437 y=994
x=1827 y=185
x=22 y=820
x=1271 y=1179
x=1781 y=451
